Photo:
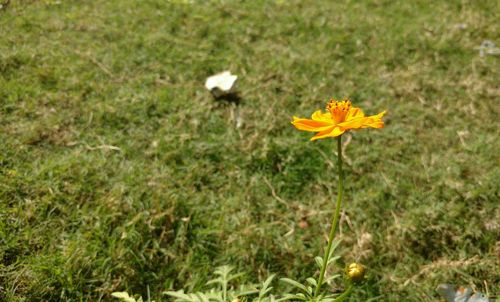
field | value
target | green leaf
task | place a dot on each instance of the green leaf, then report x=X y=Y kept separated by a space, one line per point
x=223 y=271
x=180 y=295
x=216 y=280
x=309 y=290
x=287 y=297
x=319 y=261
x=312 y=281
x=333 y=259
x=235 y=276
x=246 y=292
x=124 y=296
x=265 y=289
x=295 y=284
x=331 y=278
x=214 y=295
x=202 y=297
x=334 y=247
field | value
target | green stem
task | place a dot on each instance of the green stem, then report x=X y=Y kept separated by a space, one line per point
x=335 y=217
x=344 y=294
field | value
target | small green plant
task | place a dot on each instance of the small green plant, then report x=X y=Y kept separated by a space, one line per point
x=306 y=292
x=221 y=289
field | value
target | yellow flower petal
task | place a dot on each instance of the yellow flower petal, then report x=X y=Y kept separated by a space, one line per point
x=354 y=113
x=320 y=116
x=375 y=121
x=335 y=131
x=353 y=123
x=311 y=125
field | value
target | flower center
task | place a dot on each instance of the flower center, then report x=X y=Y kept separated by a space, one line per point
x=338 y=109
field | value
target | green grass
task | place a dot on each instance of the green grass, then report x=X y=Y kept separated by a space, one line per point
x=119 y=171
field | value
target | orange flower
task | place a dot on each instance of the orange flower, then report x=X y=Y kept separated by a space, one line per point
x=339 y=118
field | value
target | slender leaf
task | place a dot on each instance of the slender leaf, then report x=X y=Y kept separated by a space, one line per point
x=265 y=289
x=178 y=294
x=295 y=284
x=287 y=297
x=312 y=281
x=319 y=261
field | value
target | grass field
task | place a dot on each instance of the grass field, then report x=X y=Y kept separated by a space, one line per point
x=118 y=170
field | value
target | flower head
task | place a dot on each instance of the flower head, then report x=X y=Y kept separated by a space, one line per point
x=340 y=117
x=355 y=272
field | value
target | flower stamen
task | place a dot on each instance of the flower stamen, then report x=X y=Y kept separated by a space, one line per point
x=338 y=109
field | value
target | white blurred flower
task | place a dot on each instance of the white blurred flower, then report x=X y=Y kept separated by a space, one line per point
x=221 y=83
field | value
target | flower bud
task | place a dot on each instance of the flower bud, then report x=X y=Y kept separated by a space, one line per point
x=355 y=272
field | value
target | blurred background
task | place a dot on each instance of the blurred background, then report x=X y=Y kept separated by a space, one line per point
x=119 y=170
